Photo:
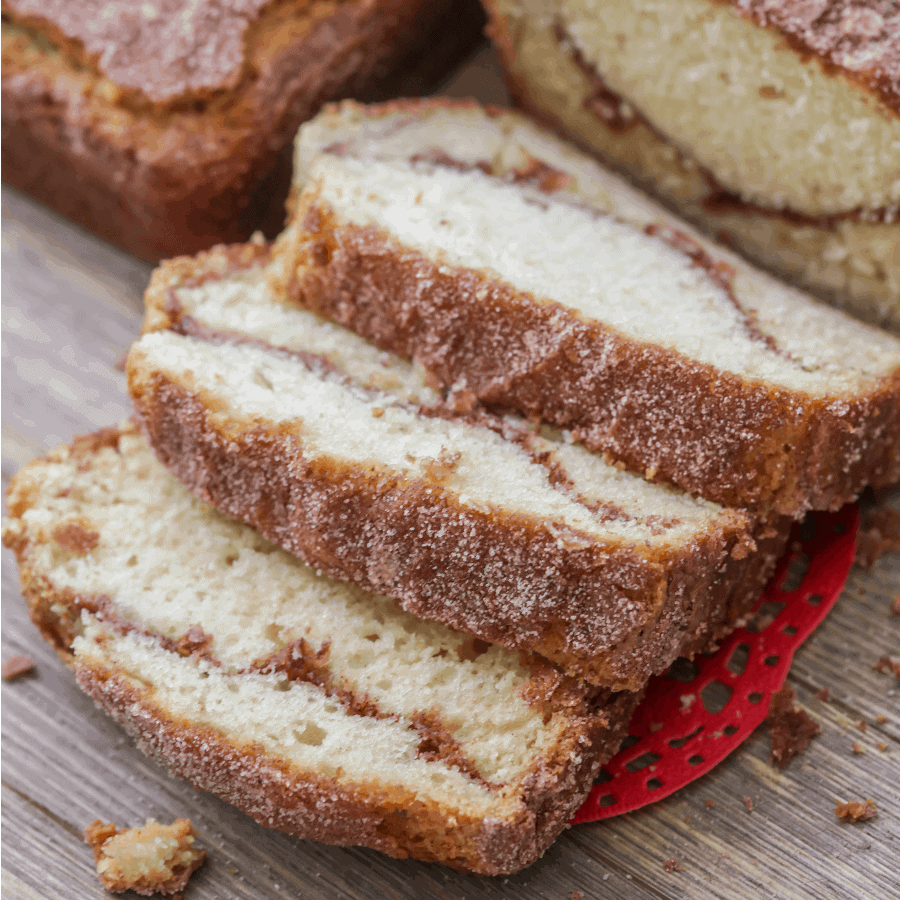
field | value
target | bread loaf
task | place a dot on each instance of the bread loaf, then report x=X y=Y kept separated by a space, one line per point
x=314 y=707
x=166 y=127
x=346 y=457
x=516 y=269
x=774 y=126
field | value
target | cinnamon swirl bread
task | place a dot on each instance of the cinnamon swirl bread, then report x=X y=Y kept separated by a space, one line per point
x=314 y=707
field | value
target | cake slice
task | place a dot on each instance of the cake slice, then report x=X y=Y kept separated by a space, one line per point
x=517 y=270
x=345 y=456
x=773 y=124
x=314 y=707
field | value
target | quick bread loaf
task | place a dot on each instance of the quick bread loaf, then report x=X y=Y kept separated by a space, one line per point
x=165 y=127
x=775 y=126
x=314 y=707
x=516 y=270
x=346 y=457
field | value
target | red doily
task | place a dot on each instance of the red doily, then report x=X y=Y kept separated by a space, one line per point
x=697 y=713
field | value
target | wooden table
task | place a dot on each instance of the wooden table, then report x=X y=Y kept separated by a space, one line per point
x=71 y=306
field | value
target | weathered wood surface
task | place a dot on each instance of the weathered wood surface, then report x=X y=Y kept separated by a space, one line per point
x=71 y=305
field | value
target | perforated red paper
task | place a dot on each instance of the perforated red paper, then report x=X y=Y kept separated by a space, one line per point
x=697 y=713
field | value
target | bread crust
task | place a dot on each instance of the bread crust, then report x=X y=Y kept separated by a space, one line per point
x=392 y=821
x=848 y=259
x=159 y=181
x=608 y=614
x=712 y=433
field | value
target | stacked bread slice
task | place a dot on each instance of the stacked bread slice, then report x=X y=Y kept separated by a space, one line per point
x=311 y=705
x=344 y=456
x=512 y=277
x=514 y=268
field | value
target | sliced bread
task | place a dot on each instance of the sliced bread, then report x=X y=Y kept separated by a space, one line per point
x=314 y=707
x=343 y=455
x=773 y=124
x=516 y=269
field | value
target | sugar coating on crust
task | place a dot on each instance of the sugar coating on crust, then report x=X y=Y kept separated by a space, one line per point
x=148 y=859
x=857 y=35
x=164 y=48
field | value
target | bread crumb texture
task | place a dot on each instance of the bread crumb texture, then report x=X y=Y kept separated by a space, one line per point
x=148 y=859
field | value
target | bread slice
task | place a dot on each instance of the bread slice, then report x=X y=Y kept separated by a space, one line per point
x=167 y=132
x=516 y=269
x=776 y=125
x=346 y=457
x=314 y=707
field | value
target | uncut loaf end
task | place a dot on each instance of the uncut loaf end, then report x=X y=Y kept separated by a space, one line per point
x=345 y=456
x=516 y=269
x=316 y=708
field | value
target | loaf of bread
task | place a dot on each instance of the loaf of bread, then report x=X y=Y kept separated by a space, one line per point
x=165 y=127
x=517 y=270
x=314 y=707
x=346 y=457
x=775 y=126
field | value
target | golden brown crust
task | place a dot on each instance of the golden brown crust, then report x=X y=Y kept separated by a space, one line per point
x=159 y=182
x=711 y=433
x=608 y=614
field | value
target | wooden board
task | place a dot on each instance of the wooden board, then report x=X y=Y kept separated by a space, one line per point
x=71 y=306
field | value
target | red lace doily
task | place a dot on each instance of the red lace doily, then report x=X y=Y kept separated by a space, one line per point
x=697 y=713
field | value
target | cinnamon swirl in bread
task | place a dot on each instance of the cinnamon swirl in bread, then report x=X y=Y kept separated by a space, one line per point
x=516 y=269
x=314 y=707
x=347 y=457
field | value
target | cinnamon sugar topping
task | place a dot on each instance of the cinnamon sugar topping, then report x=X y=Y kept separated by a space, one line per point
x=164 y=48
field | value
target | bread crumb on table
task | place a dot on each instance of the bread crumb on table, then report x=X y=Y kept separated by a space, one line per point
x=878 y=534
x=748 y=802
x=855 y=811
x=672 y=865
x=791 y=729
x=885 y=664
x=148 y=859
x=16 y=666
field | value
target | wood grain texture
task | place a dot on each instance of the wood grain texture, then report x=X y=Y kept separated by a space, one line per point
x=71 y=306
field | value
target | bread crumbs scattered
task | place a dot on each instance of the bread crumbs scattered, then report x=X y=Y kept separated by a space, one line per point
x=855 y=811
x=861 y=725
x=672 y=865
x=710 y=804
x=791 y=729
x=749 y=804
x=879 y=534
x=824 y=695
x=881 y=719
x=885 y=664
x=577 y=895
x=857 y=748
x=882 y=746
x=16 y=666
x=687 y=820
x=895 y=605
x=148 y=859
